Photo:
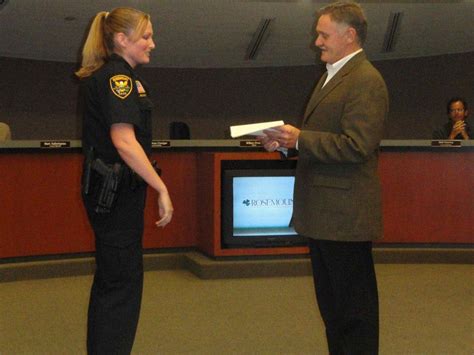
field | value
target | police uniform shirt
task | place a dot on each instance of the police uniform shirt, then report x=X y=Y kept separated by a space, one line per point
x=115 y=94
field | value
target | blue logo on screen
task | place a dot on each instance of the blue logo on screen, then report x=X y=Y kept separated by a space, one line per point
x=263 y=202
x=279 y=202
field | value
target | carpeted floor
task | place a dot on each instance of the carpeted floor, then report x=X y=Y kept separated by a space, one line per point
x=425 y=309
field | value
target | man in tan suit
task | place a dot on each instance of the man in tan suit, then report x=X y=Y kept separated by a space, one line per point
x=337 y=202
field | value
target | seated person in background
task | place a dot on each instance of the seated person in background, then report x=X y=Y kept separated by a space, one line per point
x=457 y=127
x=5 y=133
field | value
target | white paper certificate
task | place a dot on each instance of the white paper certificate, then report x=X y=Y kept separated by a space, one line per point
x=253 y=129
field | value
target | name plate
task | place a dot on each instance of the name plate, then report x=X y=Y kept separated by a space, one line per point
x=445 y=143
x=55 y=144
x=250 y=143
x=157 y=144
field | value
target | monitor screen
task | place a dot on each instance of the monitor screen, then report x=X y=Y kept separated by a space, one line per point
x=262 y=205
x=257 y=207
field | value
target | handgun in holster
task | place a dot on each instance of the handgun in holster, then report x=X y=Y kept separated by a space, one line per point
x=109 y=185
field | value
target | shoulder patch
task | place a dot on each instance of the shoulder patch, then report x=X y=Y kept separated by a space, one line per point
x=121 y=85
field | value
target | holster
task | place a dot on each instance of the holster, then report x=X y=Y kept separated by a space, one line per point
x=109 y=184
x=101 y=181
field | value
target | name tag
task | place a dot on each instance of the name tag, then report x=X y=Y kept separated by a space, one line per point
x=445 y=143
x=55 y=144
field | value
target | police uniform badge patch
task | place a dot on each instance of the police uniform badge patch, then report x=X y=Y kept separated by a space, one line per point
x=121 y=85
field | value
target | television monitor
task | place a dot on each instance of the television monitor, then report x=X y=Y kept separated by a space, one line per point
x=257 y=206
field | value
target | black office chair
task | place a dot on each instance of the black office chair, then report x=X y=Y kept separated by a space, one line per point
x=179 y=130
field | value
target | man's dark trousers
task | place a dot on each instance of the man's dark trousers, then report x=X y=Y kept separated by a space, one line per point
x=346 y=292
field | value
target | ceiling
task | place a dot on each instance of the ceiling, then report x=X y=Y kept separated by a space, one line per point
x=217 y=33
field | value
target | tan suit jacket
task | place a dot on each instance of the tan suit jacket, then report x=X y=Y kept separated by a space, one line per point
x=337 y=189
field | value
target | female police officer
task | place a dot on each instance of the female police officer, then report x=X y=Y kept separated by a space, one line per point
x=117 y=139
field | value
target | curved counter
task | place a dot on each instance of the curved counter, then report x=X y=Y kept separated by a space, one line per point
x=427 y=190
x=227 y=144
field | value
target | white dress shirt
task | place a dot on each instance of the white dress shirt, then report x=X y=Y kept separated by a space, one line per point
x=334 y=68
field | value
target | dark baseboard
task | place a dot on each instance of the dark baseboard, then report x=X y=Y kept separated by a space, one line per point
x=210 y=268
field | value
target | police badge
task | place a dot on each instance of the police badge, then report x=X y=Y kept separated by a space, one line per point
x=121 y=85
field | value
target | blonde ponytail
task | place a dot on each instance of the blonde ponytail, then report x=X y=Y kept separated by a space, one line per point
x=95 y=51
x=99 y=43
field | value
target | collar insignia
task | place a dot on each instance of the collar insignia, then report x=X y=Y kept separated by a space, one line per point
x=121 y=86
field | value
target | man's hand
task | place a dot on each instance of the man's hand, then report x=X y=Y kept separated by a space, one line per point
x=284 y=136
x=459 y=128
x=269 y=144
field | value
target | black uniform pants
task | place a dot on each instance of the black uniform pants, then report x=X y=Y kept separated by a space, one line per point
x=115 y=299
x=346 y=292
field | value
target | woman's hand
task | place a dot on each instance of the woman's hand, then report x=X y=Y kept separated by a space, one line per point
x=165 y=209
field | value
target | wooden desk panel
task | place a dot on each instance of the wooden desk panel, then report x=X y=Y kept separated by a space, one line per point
x=428 y=198
x=42 y=211
x=209 y=238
